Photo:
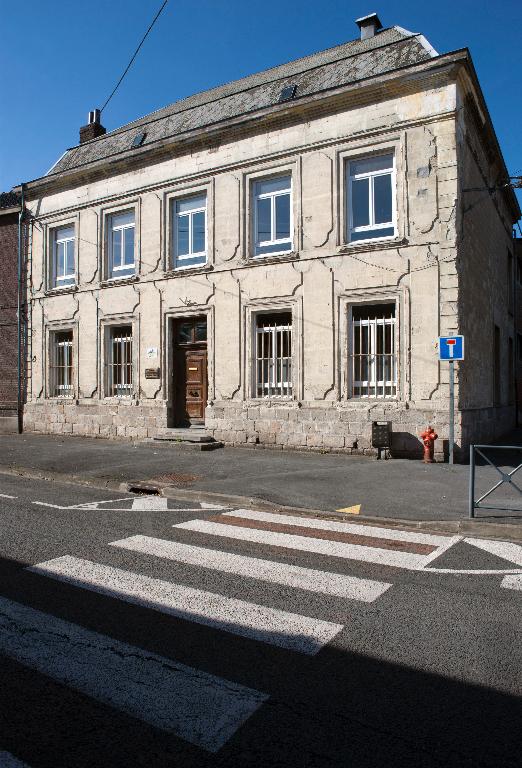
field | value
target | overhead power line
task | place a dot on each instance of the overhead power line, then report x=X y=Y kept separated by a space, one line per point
x=156 y=17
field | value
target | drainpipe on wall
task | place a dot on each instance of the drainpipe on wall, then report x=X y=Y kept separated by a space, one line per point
x=19 y=314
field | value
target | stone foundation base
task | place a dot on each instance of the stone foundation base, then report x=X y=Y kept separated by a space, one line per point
x=326 y=427
x=136 y=419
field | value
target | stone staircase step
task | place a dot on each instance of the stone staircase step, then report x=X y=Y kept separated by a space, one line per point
x=193 y=437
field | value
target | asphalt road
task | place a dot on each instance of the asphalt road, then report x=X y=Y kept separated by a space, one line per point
x=149 y=634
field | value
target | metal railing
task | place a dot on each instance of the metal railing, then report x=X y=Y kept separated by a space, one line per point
x=505 y=478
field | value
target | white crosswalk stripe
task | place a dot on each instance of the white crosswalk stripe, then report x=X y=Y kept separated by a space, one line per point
x=269 y=625
x=504 y=549
x=201 y=708
x=323 y=582
x=512 y=582
x=328 y=547
x=340 y=527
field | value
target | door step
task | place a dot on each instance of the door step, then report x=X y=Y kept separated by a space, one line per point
x=191 y=437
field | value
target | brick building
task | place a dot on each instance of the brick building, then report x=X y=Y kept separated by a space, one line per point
x=9 y=213
x=273 y=260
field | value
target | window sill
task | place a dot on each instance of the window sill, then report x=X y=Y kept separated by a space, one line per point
x=372 y=245
x=60 y=290
x=273 y=258
x=109 y=282
x=184 y=271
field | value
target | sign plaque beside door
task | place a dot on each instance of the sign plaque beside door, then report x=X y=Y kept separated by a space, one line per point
x=152 y=373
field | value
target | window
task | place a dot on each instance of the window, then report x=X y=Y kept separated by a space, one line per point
x=189 y=231
x=519 y=270
x=273 y=346
x=61 y=364
x=120 y=241
x=511 y=372
x=119 y=361
x=370 y=198
x=62 y=268
x=273 y=216
x=496 y=365
x=374 y=369
x=510 y=280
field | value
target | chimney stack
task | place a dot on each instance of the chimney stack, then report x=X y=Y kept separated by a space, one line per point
x=93 y=128
x=369 y=25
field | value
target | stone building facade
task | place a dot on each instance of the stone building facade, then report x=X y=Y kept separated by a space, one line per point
x=9 y=212
x=275 y=258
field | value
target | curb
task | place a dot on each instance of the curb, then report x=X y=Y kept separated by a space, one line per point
x=61 y=477
x=467 y=527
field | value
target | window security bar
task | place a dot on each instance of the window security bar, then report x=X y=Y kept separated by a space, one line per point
x=374 y=370
x=274 y=357
x=61 y=365
x=120 y=363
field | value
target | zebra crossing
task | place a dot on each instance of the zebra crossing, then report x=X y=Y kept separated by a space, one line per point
x=194 y=705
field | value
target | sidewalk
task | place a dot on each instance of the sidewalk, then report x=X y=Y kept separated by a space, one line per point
x=399 y=489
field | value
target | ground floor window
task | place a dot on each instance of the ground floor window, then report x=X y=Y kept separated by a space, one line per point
x=61 y=364
x=373 y=358
x=273 y=349
x=119 y=361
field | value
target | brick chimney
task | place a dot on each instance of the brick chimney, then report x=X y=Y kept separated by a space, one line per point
x=93 y=128
x=369 y=25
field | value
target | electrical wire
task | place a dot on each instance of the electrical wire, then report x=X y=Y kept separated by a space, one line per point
x=156 y=17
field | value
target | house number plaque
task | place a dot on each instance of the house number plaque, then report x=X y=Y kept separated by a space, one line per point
x=152 y=373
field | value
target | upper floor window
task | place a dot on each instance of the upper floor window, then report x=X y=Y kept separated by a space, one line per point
x=120 y=242
x=63 y=268
x=370 y=195
x=190 y=231
x=273 y=215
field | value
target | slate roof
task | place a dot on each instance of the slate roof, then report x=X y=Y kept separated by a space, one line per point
x=9 y=200
x=388 y=50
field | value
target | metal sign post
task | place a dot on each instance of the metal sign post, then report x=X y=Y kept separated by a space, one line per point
x=451 y=348
x=451 y=410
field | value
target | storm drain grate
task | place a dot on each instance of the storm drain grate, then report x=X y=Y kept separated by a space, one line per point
x=176 y=478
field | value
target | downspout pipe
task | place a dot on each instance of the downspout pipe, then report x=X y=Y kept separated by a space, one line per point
x=19 y=304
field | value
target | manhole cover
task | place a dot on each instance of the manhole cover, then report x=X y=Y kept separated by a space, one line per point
x=176 y=478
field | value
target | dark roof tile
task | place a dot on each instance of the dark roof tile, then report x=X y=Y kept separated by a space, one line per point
x=345 y=64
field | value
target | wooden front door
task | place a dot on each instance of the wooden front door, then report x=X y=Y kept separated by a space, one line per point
x=190 y=372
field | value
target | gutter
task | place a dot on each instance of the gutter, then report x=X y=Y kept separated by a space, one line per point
x=19 y=313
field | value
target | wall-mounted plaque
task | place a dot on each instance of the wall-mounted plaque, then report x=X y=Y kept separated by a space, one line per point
x=152 y=373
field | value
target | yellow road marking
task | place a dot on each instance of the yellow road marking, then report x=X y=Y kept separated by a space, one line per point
x=350 y=510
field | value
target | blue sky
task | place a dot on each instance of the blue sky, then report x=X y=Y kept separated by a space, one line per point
x=59 y=59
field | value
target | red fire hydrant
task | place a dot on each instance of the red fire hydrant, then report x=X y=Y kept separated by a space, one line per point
x=428 y=437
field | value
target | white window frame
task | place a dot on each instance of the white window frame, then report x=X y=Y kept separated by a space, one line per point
x=272 y=388
x=201 y=256
x=67 y=278
x=111 y=338
x=272 y=195
x=128 y=270
x=65 y=389
x=357 y=386
x=372 y=227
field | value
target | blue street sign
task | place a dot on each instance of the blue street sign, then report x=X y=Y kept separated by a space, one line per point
x=451 y=347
